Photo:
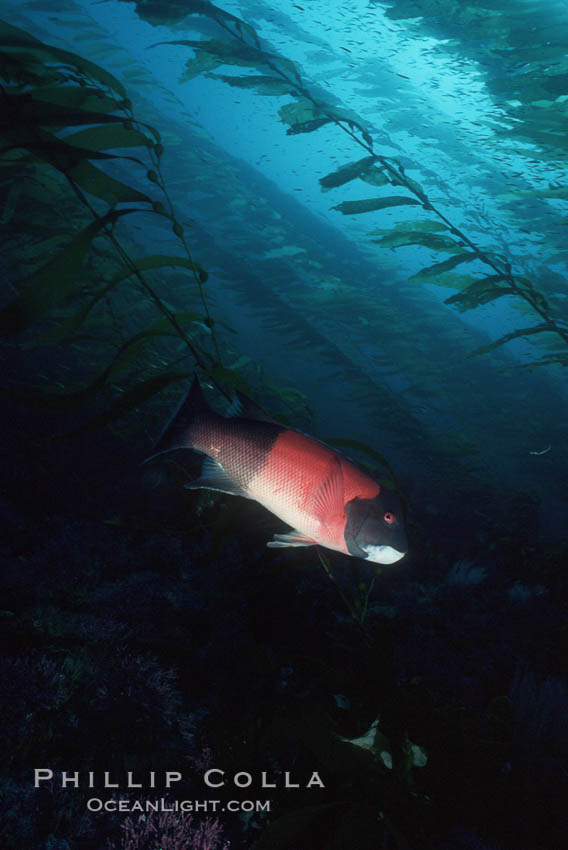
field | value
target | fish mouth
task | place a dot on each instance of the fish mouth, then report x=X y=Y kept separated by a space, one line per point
x=382 y=554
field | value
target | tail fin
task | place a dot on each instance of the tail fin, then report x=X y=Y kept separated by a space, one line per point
x=178 y=432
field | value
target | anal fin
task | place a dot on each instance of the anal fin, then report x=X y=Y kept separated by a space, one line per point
x=291 y=538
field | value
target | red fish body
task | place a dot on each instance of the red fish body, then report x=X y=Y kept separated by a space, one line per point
x=322 y=495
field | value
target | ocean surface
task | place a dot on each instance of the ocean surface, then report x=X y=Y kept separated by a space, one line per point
x=354 y=214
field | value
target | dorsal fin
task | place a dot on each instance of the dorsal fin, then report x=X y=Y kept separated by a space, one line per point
x=177 y=433
x=246 y=408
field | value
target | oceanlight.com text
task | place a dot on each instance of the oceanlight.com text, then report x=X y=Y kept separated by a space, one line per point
x=97 y=804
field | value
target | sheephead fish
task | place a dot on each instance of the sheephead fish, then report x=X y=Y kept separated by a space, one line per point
x=320 y=493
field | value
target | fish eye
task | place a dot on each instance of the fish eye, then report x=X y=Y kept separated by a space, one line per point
x=389 y=518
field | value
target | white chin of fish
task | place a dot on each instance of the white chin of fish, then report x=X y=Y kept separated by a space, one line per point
x=382 y=554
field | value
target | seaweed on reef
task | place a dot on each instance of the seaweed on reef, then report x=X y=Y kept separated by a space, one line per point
x=407 y=720
x=171 y=831
x=276 y=75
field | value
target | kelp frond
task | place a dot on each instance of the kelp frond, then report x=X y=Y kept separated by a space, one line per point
x=46 y=93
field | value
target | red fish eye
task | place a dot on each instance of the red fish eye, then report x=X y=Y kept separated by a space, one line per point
x=389 y=518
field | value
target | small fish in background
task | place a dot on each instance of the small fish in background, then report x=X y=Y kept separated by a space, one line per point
x=326 y=498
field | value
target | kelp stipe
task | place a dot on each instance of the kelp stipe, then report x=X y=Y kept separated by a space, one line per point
x=308 y=114
x=357 y=600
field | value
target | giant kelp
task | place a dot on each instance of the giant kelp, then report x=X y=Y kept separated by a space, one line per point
x=383 y=329
x=493 y=277
x=327 y=301
x=324 y=303
x=47 y=93
x=360 y=341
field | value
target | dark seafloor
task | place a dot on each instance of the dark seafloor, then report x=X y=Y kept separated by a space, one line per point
x=148 y=628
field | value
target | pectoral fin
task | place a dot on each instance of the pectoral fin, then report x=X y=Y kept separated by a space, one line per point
x=327 y=501
x=291 y=538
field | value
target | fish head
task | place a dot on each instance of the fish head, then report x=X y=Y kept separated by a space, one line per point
x=375 y=528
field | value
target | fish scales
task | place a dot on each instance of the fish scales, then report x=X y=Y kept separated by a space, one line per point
x=241 y=446
x=289 y=482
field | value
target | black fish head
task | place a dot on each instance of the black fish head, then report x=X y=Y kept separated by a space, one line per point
x=375 y=528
